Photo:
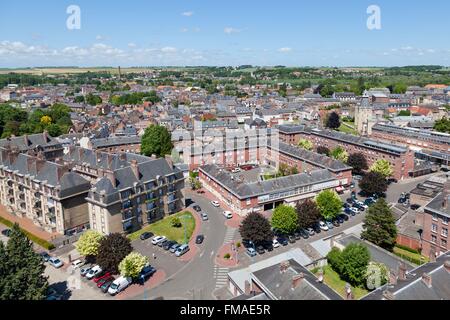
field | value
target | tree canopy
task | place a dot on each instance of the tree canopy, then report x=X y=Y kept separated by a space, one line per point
x=383 y=167
x=373 y=182
x=21 y=269
x=112 y=250
x=323 y=150
x=308 y=213
x=156 y=140
x=339 y=153
x=329 y=204
x=358 y=162
x=132 y=264
x=379 y=226
x=333 y=121
x=284 y=219
x=89 y=243
x=256 y=227
x=305 y=144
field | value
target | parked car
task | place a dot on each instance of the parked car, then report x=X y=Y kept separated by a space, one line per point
x=162 y=243
x=297 y=235
x=228 y=214
x=248 y=243
x=145 y=274
x=93 y=272
x=260 y=249
x=303 y=233
x=316 y=227
x=146 y=235
x=200 y=191
x=310 y=231
x=283 y=241
x=77 y=263
x=323 y=226
x=158 y=239
x=182 y=250
x=236 y=170
x=197 y=208
x=85 y=270
x=199 y=239
x=351 y=211
x=415 y=206
x=349 y=200
x=335 y=222
x=55 y=262
x=215 y=203
x=329 y=224
x=119 y=285
x=275 y=243
x=174 y=247
x=168 y=244
x=268 y=245
x=105 y=286
x=204 y=217
x=291 y=239
x=6 y=232
x=346 y=205
x=52 y=294
x=251 y=252
x=103 y=280
x=45 y=256
x=343 y=216
x=362 y=204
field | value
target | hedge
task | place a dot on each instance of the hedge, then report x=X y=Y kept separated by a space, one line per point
x=43 y=243
x=407 y=248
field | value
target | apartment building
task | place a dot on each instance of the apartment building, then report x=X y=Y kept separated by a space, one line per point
x=400 y=157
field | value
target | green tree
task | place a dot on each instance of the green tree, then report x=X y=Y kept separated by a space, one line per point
x=383 y=167
x=21 y=269
x=323 y=150
x=156 y=140
x=358 y=162
x=377 y=275
x=333 y=121
x=132 y=264
x=329 y=204
x=305 y=144
x=54 y=130
x=176 y=222
x=373 y=182
x=89 y=243
x=79 y=99
x=112 y=250
x=442 y=125
x=334 y=260
x=379 y=226
x=340 y=154
x=354 y=261
x=284 y=219
x=92 y=99
x=46 y=120
x=404 y=113
x=308 y=213
x=256 y=227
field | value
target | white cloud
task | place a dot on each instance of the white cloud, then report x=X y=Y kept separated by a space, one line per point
x=132 y=45
x=230 y=30
x=285 y=50
x=169 y=50
x=100 y=37
x=188 y=14
x=184 y=30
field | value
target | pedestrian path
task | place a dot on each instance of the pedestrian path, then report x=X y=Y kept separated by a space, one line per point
x=229 y=235
x=221 y=276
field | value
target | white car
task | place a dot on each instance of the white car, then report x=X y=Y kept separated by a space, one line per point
x=158 y=239
x=93 y=272
x=236 y=170
x=323 y=226
x=77 y=263
x=275 y=243
x=362 y=204
x=118 y=285
x=228 y=214
x=55 y=262
x=215 y=203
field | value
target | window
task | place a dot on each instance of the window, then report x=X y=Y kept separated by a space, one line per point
x=445 y=220
x=434 y=227
x=444 y=232
x=435 y=217
x=433 y=238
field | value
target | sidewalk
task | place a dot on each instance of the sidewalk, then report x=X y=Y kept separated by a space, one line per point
x=193 y=249
x=28 y=225
x=228 y=263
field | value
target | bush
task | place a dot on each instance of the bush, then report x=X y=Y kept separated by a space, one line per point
x=407 y=248
x=43 y=243
x=238 y=245
x=227 y=256
x=334 y=259
x=176 y=223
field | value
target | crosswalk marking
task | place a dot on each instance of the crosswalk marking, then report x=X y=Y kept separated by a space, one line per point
x=229 y=235
x=221 y=276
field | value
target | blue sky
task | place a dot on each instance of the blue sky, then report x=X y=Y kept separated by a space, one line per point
x=209 y=32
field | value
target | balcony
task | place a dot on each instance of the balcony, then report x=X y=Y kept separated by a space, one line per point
x=10 y=183
x=127 y=204
x=22 y=196
x=172 y=198
x=37 y=194
x=11 y=192
x=38 y=205
x=127 y=215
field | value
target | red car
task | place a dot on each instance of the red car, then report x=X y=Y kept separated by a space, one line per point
x=102 y=276
x=200 y=191
x=104 y=280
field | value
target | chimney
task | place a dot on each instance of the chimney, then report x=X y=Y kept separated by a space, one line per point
x=111 y=176
x=296 y=280
x=135 y=167
x=248 y=288
x=447 y=265
x=427 y=280
x=402 y=271
x=45 y=135
x=25 y=139
x=61 y=170
x=392 y=278
x=284 y=266
x=110 y=159
x=81 y=153
x=123 y=156
x=432 y=255
x=388 y=295
x=169 y=160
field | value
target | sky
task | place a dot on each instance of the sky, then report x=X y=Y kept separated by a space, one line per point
x=223 y=33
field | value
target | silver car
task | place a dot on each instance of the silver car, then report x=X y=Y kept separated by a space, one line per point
x=55 y=262
x=174 y=247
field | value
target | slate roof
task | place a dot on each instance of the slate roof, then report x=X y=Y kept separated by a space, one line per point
x=24 y=143
x=115 y=141
x=244 y=190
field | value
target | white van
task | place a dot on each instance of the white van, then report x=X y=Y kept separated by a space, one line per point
x=118 y=285
x=228 y=214
x=182 y=250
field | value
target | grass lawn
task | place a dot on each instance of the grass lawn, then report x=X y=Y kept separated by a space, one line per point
x=164 y=228
x=344 y=128
x=410 y=256
x=332 y=279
